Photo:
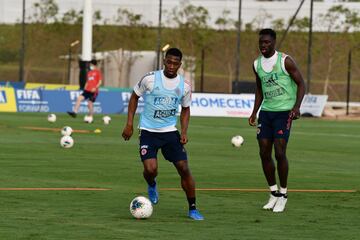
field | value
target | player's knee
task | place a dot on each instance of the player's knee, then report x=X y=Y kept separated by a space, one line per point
x=150 y=171
x=265 y=155
x=280 y=156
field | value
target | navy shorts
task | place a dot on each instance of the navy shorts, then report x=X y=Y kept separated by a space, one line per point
x=168 y=142
x=89 y=95
x=273 y=125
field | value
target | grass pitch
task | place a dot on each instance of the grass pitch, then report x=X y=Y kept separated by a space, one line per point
x=323 y=155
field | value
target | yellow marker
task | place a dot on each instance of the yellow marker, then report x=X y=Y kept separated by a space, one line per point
x=97 y=131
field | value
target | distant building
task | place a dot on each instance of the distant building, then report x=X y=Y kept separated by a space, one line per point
x=263 y=12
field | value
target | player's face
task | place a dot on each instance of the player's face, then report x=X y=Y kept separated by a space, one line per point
x=266 y=45
x=172 y=65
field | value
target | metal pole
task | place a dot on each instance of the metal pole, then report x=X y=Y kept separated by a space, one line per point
x=69 y=65
x=22 y=50
x=73 y=44
x=290 y=24
x=310 y=47
x=202 y=70
x=159 y=38
x=237 y=73
x=348 y=82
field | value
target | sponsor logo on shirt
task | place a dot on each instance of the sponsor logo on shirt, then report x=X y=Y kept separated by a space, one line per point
x=164 y=113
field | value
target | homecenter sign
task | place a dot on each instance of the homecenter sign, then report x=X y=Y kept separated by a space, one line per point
x=241 y=105
x=222 y=105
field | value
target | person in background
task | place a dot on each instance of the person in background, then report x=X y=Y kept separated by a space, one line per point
x=91 y=89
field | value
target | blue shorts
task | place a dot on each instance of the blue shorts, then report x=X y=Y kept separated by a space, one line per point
x=273 y=125
x=168 y=142
x=89 y=95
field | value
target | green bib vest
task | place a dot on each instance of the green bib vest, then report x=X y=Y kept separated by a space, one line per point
x=279 y=89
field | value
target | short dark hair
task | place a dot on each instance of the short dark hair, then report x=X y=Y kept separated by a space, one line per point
x=174 y=52
x=93 y=62
x=268 y=31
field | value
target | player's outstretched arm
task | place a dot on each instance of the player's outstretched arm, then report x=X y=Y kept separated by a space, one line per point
x=129 y=128
x=184 y=123
x=295 y=74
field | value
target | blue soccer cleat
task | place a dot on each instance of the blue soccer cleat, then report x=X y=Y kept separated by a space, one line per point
x=153 y=194
x=195 y=214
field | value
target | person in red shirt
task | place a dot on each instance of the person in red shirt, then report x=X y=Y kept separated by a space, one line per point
x=91 y=89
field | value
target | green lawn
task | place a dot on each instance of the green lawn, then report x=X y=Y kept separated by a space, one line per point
x=322 y=155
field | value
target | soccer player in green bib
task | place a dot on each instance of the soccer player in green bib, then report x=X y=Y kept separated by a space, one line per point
x=280 y=89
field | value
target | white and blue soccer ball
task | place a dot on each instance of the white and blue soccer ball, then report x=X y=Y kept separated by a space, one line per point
x=141 y=207
x=106 y=120
x=51 y=118
x=66 y=131
x=237 y=141
x=88 y=119
x=67 y=142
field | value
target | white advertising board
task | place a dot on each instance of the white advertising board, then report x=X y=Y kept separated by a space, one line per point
x=241 y=105
x=222 y=105
x=313 y=104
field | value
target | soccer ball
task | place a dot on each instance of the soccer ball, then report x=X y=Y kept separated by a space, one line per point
x=51 y=118
x=66 y=141
x=106 y=120
x=140 y=207
x=237 y=141
x=88 y=119
x=66 y=131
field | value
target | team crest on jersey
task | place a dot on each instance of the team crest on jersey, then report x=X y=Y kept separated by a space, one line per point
x=258 y=131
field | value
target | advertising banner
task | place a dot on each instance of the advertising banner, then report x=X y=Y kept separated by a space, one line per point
x=48 y=86
x=37 y=100
x=222 y=105
x=313 y=105
x=7 y=100
x=116 y=102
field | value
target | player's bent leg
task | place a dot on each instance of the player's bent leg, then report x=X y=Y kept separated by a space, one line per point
x=91 y=108
x=187 y=181
x=188 y=185
x=150 y=173
x=78 y=102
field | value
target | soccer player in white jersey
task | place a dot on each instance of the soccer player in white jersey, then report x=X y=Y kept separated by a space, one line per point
x=163 y=91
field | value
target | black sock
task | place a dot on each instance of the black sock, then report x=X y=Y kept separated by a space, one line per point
x=153 y=184
x=276 y=194
x=192 y=205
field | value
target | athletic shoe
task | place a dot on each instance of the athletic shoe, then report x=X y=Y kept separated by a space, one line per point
x=271 y=203
x=153 y=194
x=195 y=215
x=280 y=204
x=72 y=114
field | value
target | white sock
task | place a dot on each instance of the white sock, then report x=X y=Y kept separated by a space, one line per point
x=273 y=188
x=283 y=190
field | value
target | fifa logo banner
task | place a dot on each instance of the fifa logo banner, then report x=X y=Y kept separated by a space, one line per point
x=7 y=100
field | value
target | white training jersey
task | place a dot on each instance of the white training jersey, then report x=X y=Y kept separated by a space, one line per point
x=268 y=63
x=146 y=84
